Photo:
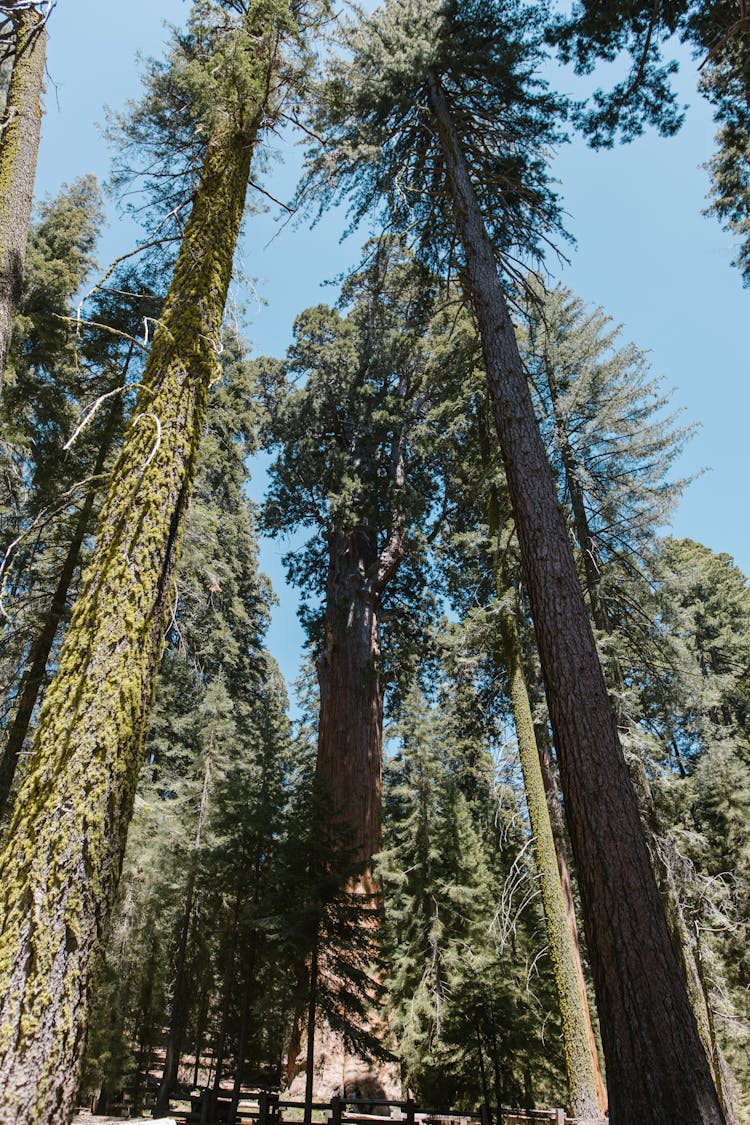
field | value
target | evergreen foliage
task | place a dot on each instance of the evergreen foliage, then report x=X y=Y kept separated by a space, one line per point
x=718 y=35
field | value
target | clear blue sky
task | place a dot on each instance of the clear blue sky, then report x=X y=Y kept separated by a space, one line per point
x=644 y=252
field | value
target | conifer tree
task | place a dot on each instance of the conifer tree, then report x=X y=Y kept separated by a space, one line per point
x=350 y=465
x=478 y=538
x=436 y=119
x=460 y=905
x=19 y=144
x=209 y=814
x=68 y=834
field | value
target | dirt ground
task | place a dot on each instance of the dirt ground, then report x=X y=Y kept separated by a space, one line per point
x=92 y=1119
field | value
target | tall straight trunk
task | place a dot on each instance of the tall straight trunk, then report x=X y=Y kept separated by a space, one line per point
x=350 y=730
x=65 y=843
x=312 y=1003
x=36 y=663
x=585 y=1085
x=19 y=147
x=657 y=1069
x=246 y=1004
x=682 y=939
x=226 y=999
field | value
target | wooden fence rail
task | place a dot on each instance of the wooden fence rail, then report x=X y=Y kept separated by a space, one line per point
x=270 y=1109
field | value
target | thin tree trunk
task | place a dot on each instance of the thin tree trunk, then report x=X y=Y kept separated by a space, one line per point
x=585 y=1085
x=312 y=1003
x=67 y=836
x=200 y=1031
x=247 y=995
x=172 y=1054
x=483 y=1076
x=231 y=949
x=657 y=1069
x=19 y=147
x=36 y=664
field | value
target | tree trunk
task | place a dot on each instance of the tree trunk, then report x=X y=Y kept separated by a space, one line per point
x=349 y=767
x=67 y=836
x=682 y=939
x=36 y=664
x=19 y=146
x=657 y=1070
x=312 y=1001
x=350 y=731
x=585 y=1085
x=172 y=1054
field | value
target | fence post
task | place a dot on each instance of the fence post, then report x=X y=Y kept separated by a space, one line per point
x=559 y=1117
x=485 y=1115
x=410 y=1107
x=263 y=1108
x=335 y=1110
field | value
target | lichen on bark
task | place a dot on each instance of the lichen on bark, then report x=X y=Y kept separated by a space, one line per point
x=65 y=842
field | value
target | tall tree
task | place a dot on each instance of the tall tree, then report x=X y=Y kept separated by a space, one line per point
x=68 y=832
x=349 y=465
x=19 y=144
x=475 y=179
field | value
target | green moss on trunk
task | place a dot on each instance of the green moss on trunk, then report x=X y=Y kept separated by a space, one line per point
x=62 y=859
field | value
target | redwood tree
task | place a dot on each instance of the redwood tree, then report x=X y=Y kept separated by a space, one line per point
x=348 y=465
x=437 y=115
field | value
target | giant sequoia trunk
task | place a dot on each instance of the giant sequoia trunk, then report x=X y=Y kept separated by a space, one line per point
x=349 y=773
x=657 y=1071
x=19 y=146
x=65 y=843
x=350 y=731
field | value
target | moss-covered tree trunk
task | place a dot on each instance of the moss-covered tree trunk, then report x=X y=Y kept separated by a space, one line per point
x=19 y=146
x=62 y=861
x=585 y=1085
x=657 y=1070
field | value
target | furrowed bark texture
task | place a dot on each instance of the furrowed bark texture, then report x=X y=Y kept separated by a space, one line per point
x=19 y=145
x=585 y=1086
x=350 y=731
x=684 y=944
x=349 y=766
x=65 y=842
x=657 y=1071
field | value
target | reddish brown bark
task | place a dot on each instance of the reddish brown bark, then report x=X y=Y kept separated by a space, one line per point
x=349 y=770
x=657 y=1071
x=350 y=731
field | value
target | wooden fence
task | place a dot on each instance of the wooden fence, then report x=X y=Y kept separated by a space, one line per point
x=270 y=1109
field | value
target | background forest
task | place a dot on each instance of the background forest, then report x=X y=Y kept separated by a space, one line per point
x=357 y=462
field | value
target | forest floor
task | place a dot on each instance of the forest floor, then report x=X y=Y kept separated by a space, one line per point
x=94 y=1119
